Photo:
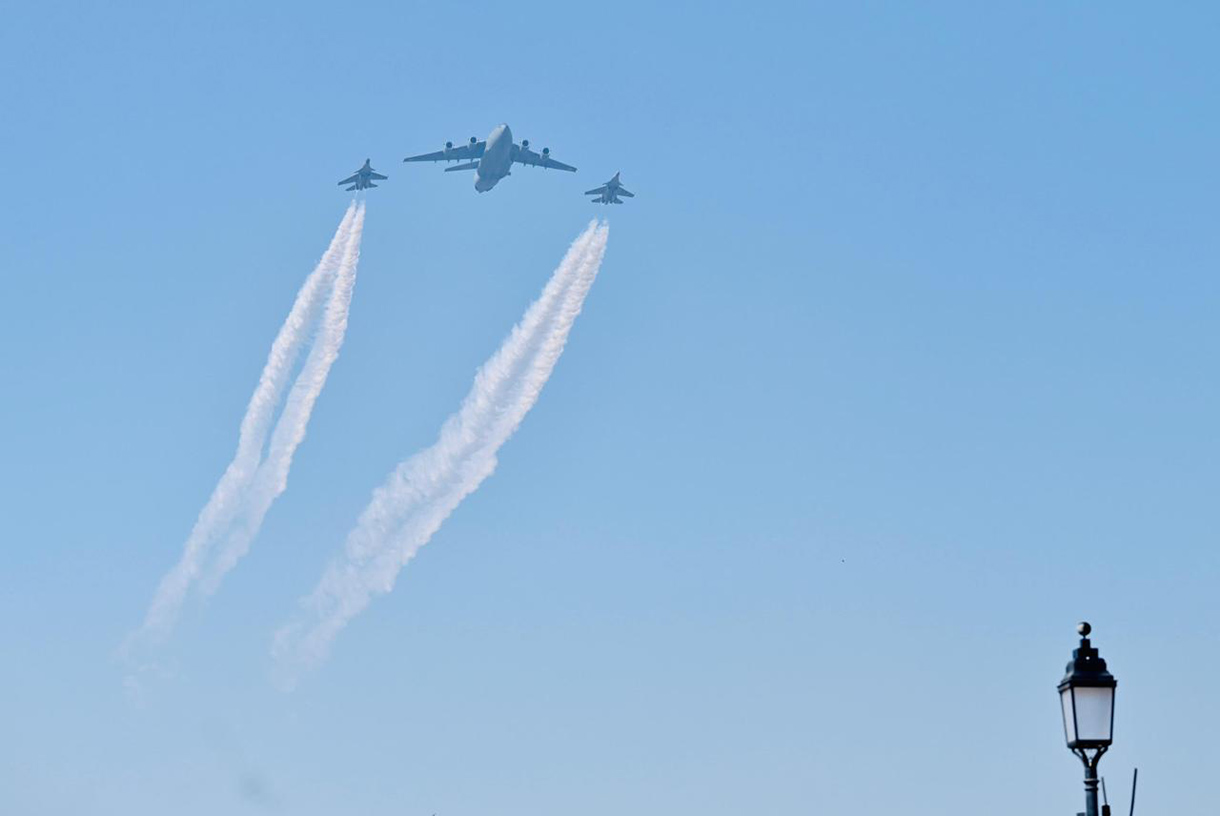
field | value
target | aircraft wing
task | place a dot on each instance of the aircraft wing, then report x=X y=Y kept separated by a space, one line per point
x=350 y=179
x=378 y=176
x=465 y=151
x=624 y=191
x=597 y=191
x=524 y=155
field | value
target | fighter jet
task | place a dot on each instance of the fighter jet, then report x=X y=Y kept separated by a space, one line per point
x=362 y=179
x=492 y=159
x=609 y=192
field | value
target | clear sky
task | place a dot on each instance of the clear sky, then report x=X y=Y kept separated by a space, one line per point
x=902 y=361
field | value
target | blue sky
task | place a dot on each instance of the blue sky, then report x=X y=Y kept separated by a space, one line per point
x=901 y=362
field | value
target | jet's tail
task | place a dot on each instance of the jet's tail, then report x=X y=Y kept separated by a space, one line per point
x=353 y=187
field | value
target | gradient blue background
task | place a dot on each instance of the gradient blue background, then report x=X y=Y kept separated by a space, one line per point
x=901 y=362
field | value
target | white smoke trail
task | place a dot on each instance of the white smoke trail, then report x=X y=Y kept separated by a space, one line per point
x=225 y=501
x=423 y=491
x=271 y=478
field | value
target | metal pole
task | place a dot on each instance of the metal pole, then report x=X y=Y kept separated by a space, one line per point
x=1090 y=787
x=1090 y=792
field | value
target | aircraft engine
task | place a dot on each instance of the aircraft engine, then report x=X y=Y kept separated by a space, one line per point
x=546 y=151
x=449 y=145
x=525 y=144
x=474 y=140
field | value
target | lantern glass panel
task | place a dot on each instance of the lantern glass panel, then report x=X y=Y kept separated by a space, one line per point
x=1069 y=721
x=1094 y=713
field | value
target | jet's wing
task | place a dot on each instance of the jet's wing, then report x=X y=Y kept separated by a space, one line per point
x=351 y=178
x=598 y=191
x=524 y=155
x=624 y=191
x=378 y=176
x=472 y=150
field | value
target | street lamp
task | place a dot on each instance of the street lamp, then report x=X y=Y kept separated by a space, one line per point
x=1087 y=696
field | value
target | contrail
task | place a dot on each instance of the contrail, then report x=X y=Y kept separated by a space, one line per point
x=226 y=499
x=424 y=490
x=271 y=478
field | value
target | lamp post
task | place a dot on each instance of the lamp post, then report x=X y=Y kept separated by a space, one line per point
x=1087 y=696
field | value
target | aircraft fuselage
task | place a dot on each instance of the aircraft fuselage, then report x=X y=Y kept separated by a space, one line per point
x=497 y=161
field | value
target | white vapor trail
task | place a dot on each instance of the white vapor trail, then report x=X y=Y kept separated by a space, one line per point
x=424 y=490
x=228 y=497
x=271 y=478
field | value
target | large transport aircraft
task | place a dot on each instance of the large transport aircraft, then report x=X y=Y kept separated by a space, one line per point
x=609 y=192
x=492 y=159
x=362 y=179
